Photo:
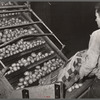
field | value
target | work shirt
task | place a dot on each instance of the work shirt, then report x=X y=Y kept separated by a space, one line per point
x=93 y=53
x=86 y=61
x=91 y=60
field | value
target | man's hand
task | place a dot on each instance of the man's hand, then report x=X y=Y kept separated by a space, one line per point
x=88 y=66
x=83 y=72
x=63 y=73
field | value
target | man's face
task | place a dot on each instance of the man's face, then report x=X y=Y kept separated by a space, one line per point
x=97 y=19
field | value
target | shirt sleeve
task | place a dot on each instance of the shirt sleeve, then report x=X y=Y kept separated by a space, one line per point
x=92 y=54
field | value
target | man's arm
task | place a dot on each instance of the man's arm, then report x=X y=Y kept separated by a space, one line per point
x=92 y=55
x=91 y=58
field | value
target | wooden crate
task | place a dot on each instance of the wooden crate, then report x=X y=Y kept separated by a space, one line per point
x=51 y=91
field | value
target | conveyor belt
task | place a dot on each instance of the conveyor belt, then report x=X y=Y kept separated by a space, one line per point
x=13 y=7
x=76 y=93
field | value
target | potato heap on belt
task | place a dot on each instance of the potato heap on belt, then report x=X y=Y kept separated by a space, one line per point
x=20 y=46
x=75 y=86
x=10 y=34
x=40 y=71
x=9 y=3
x=24 y=62
x=9 y=14
x=12 y=21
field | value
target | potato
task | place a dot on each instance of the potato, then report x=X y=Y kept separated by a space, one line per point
x=76 y=86
x=20 y=84
x=69 y=90
x=26 y=73
x=21 y=79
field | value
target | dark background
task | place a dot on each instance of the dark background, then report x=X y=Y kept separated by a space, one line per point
x=71 y=22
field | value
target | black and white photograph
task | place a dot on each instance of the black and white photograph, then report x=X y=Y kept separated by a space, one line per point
x=49 y=49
